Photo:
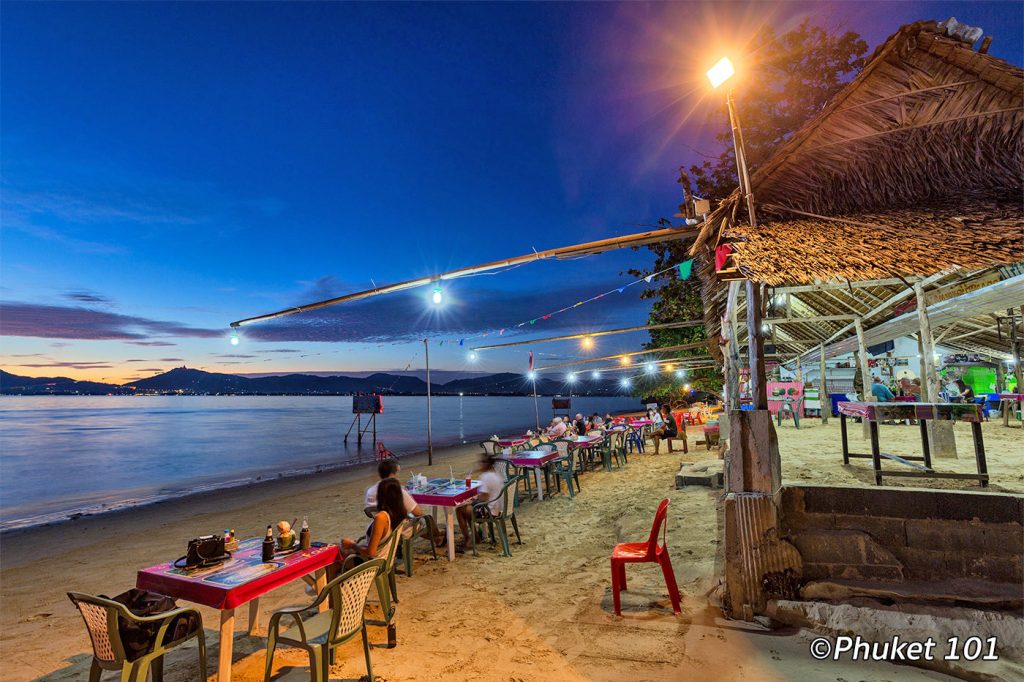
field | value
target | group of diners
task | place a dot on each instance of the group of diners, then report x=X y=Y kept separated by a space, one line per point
x=664 y=427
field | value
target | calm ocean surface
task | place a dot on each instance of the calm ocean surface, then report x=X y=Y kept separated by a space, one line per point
x=64 y=455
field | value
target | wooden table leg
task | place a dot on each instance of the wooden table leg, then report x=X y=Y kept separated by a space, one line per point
x=1004 y=407
x=226 y=645
x=449 y=522
x=321 y=583
x=254 y=617
x=979 y=451
x=536 y=476
x=846 y=439
x=876 y=451
x=924 y=443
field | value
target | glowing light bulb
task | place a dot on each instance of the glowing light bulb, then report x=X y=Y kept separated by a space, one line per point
x=531 y=375
x=721 y=72
x=437 y=296
x=595 y=375
x=669 y=367
x=587 y=342
x=680 y=374
x=625 y=360
x=686 y=387
x=651 y=369
x=472 y=356
x=234 y=338
x=572 y=377
x=625 y=383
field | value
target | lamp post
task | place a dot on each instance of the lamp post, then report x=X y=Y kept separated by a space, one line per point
x=717 y=75
x=430 y=444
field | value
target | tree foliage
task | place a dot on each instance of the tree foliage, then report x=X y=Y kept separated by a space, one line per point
x=790 y=79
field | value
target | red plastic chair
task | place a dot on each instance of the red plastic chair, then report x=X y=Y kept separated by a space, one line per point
x=383 y=453
x=645 y=552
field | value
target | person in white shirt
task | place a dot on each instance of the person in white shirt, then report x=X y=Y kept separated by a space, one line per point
x=491 y=483
x=557 y=428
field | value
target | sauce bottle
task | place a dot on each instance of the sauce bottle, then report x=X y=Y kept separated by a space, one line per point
x=304 y=534
x=268 y=545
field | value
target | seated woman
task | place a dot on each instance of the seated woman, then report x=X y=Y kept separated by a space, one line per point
x=390 y=513
x=491 y=483
x=966 y=393
x=666 y=431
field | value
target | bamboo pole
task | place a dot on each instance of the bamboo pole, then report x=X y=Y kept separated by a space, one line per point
x=941 y=433
x=1015 y=350
x=865 y=372
x=732 y=358
x=826 y=403
x=576 y=250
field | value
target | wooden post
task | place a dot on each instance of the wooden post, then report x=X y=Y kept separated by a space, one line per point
x=732 y=359
x=430 y=444
x=799 y=370
x=755 y=348
x=826 y=403
x=943 y=444
x=865 y=372
x=1015 y=350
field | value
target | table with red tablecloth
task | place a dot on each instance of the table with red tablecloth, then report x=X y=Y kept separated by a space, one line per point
x=1007 y=401
x=874 y=413
x=536 y=460
x=242 y=579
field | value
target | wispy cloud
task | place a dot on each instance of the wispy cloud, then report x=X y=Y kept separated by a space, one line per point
x=84 y=296
x=67 y=322
x=69 y=364
x=148 y=343
x=279 y=350
x=232 y=355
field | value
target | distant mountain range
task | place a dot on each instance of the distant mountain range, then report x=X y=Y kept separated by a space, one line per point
x=184 y=381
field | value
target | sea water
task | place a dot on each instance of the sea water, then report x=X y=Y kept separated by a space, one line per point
x=61 y=456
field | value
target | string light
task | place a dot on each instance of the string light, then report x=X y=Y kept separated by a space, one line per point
x=587 y=342
x=625 y=360
x=625 y=383
x=680 y=374
x=234 y=338
x=437 y=296
x=595 y=375
x=686 y=387
x=669 y=367
x=572 y=377
x=651 y=369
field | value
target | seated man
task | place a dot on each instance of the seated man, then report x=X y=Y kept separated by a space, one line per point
x=881 y=391
x=557 y=428
x=596 y=422
x=389 y=468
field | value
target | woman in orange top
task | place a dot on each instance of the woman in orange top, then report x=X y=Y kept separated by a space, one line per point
x=390 y=513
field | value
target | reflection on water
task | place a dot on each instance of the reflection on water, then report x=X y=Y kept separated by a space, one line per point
x=60 y=455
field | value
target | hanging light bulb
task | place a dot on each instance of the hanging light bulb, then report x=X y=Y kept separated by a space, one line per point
x=572 y=377
x=437 y=296
x=686 y=387
x=680 y=374
x=472 y=356
x=587 y=342
x=625 y=383
x=595 y=374
x=625 y=360
x=669 y=367
x=234 y=338
x=651 y=368
x=531 y=375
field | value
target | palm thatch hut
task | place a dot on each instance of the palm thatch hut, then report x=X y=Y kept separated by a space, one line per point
x=914 y=168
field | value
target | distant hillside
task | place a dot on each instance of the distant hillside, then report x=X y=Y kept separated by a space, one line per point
x=183 y=380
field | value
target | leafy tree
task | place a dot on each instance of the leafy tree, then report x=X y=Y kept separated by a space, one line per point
x=796 y=74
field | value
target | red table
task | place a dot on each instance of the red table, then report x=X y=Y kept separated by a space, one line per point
x=241 y=579
x=445 y=494
x=899 y=411
x=536 y=460
x=513 y=442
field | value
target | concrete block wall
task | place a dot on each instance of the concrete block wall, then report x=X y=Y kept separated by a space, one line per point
x=900 y=535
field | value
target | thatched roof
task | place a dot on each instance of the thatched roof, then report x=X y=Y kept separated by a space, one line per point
x=915 y=167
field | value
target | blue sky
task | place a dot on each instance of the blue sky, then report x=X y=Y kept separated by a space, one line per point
x=170 y=167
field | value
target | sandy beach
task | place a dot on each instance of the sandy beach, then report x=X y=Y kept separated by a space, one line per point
x=543 y=614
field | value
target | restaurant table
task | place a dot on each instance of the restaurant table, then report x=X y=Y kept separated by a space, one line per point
x=536 y=460
x=923 y=412
x=443 y=493
x=583 y=444
x=1006 y=403
x=514 y=442
x=239 y=580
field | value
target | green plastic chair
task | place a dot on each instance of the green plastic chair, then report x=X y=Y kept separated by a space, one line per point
x=103 y=616
x=387 y=590
x=617 y=443
x=321 y=635
x=508 y=513
x=789 y=406
x=564 y=469
x=507 y=470
x=416 y=522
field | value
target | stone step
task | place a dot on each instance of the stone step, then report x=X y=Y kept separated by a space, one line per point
x=964 y=592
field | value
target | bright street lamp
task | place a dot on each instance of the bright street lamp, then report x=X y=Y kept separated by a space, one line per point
x=531 y=375
x=721 y=72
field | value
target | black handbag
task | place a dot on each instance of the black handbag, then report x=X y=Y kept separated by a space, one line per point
x=138 y=638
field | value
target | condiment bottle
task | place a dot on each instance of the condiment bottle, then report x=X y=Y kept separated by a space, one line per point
x=268 y=545
x=304 y=534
